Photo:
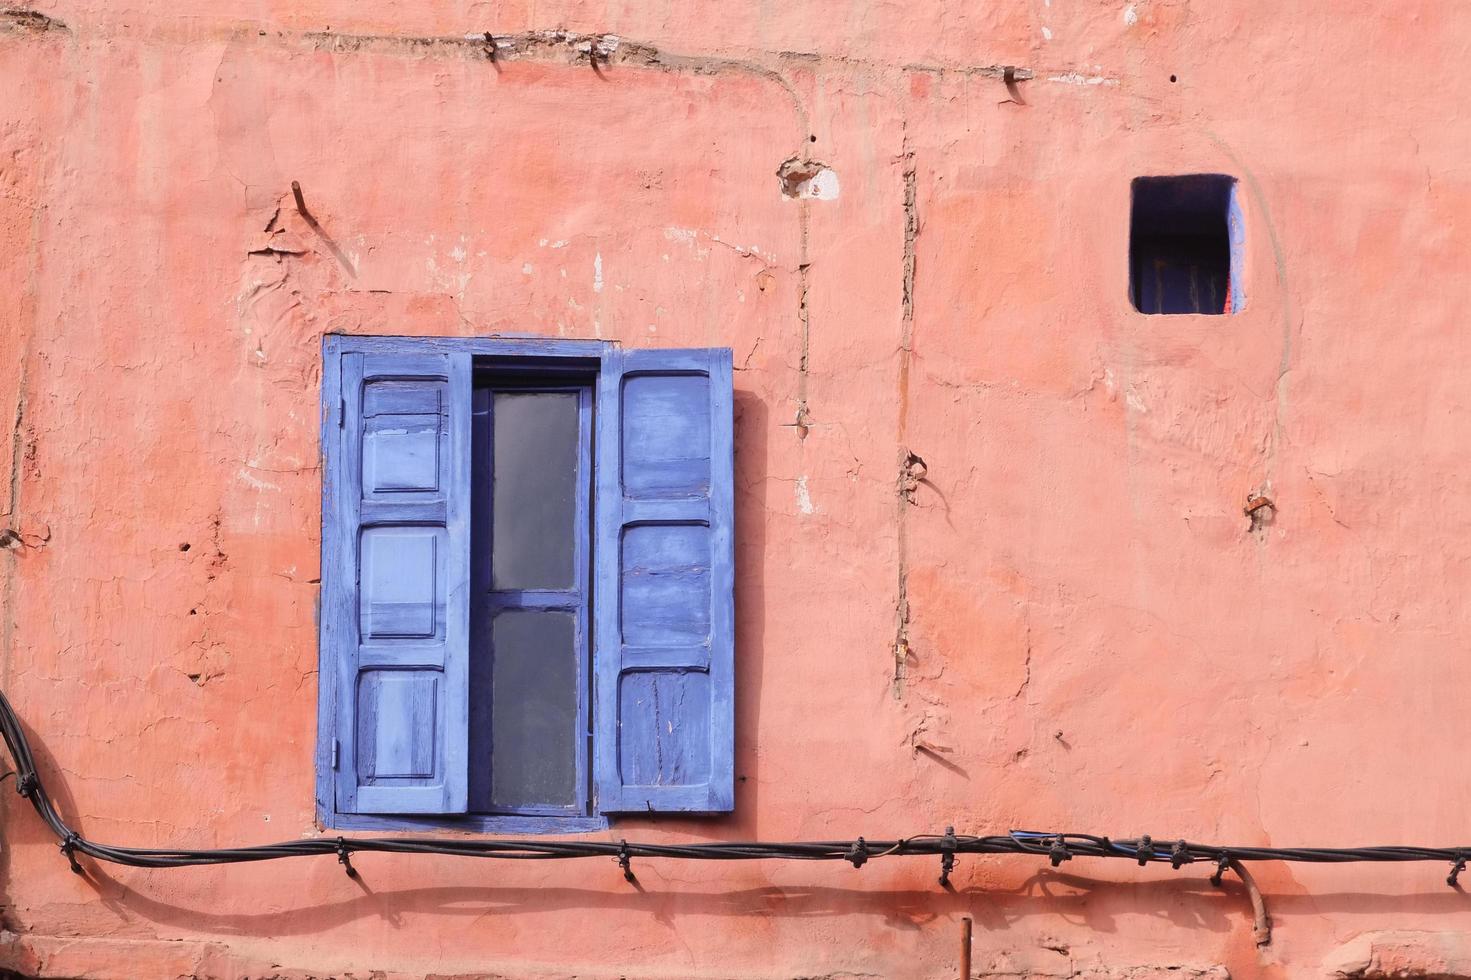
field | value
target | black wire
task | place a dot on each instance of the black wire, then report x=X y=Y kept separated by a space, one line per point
x=1058 y=846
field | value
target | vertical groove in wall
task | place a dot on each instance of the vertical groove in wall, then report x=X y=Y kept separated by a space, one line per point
x=804 y=283
x=17 y=462
x=12 y=553
x=905 y=486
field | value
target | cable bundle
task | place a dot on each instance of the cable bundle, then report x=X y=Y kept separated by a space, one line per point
x=1056 y=847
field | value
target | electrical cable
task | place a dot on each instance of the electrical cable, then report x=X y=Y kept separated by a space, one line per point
x=1057 y=847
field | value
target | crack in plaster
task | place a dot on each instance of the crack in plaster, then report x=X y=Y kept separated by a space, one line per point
x=803 y=419
x=22 y=451
x=16 y=20
x=606 y=49
x=912 y=468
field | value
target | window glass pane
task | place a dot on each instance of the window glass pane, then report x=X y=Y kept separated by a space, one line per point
x=533 y=709
x=535 y=496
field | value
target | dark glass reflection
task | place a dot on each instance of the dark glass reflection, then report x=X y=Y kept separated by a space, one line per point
x=533 y=710
x=535 y=490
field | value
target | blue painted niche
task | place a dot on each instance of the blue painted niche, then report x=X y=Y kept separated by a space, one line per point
x=1186 y=238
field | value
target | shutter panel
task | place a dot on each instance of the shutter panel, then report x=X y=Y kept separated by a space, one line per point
x=665 y=631
x=396 y=610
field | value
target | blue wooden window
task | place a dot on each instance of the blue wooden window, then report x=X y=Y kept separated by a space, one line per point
x=1186 y=240
x=664 y=537
x=398 y=620
x=527 y=578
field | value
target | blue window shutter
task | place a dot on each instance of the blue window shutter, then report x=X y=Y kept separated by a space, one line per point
x=664 y=660
x=396 y=581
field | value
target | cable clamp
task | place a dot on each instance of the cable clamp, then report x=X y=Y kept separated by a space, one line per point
x=344 y=859
x=948 y=846
x=1456 y=870
x=625 y=861
x=857 y=853
x=26 y=784
x=1145 y=851
x=1222 y=863
x=1058 y=852
x=1180 y=854
x=68 y=847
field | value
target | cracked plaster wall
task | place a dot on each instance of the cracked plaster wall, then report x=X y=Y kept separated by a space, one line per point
x=994 y=569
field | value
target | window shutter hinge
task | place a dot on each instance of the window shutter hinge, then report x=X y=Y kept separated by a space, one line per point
x=336 y=745
x=341 y=413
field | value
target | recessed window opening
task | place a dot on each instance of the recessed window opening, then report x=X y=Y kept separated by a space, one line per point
x=1185 y=245
x=530 y=674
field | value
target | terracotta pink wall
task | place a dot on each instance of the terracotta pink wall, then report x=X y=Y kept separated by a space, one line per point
x=1096 y=639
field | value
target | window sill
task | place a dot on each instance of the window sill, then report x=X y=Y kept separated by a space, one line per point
x=467 y=824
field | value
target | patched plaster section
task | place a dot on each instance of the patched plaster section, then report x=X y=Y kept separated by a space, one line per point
x=1078 y=78
x=804 y=499
x=807 y=180
x=1402 y=953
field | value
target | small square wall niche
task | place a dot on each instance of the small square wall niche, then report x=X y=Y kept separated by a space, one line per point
x=1185 y=241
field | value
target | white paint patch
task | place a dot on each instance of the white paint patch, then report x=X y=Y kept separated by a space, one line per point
x=1134 y=401
x=823 y=186
x=804 y=499
x=457 y=253
x=751 y=249
x=1131 y=16
x=447 y=281
x=1046 y=33
x=527 y=268
x=256 y=464
x=688 y=237
x=561 y=243
x=597 y=272
x=256 y=482
x=1078 y=78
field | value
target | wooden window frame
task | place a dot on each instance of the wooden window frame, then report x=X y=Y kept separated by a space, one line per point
x=645 y=502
